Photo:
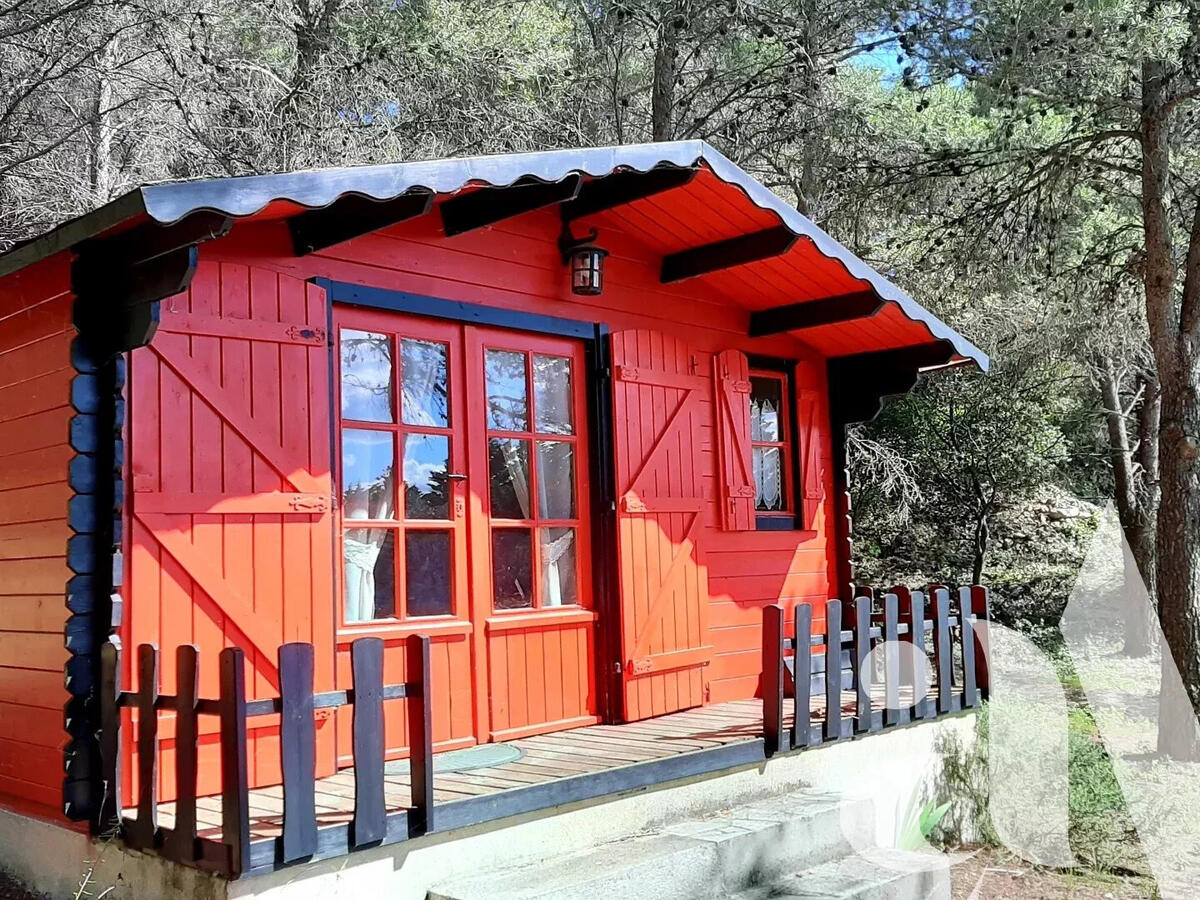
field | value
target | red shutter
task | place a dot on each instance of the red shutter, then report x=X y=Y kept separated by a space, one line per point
x=810 y=426
x=231 y=534
x=657 y=400
x=735 y=464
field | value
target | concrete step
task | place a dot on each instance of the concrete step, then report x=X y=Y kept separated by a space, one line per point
x=707 y=858
x=874 y=874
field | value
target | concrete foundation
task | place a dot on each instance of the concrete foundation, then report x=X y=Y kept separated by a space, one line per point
x=890 y=768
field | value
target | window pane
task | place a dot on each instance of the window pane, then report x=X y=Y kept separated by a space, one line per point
x=766 y=409
x=559 y=582
x=426 y=488
x=556 y=480
x=768 y=479
x=368 y=475
x=427 y=573
x=366 y=376
x=368 y=557
x=552 y=394
x=506 y=397
x=423 y=398
x=508 y=461
x=512 y=568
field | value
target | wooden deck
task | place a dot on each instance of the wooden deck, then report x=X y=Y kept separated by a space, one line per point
x=545 y=758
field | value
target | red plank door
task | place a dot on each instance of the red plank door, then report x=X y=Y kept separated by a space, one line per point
x=230 y=467
x=463 y=515
x=660 y=403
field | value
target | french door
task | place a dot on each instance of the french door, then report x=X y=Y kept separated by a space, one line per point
x=463 y=514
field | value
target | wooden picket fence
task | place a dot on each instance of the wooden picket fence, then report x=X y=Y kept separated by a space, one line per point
x=296 y=705
x=851 y=632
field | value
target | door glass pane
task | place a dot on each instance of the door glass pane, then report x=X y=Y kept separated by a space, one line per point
x=559 y=582
x=768 y=479
x=508 y=462
x=552 y=394
x=423 y=383
x=427 y=573
x=766 y=405
x=506 y=395
x=368 y=558
x=426 y=488
x=366 y=376
x=512 y=568
x=556 y=480
x=368 y=475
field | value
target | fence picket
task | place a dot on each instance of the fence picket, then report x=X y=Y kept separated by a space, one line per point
x=370 y=811
x=772 y=686
x=420 y=730
x=920 y=655
x=981 y=606
x=183 y=836
x=298 y=751
x=863 y=719
x=802 y=669
x=141 y=833
x=833 y=670
x=943 y=649
x=235 y=776
x=109 y=814
x=891 y=659
x=966 y=620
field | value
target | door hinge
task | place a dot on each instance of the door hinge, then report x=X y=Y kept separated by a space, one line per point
x=617 y=668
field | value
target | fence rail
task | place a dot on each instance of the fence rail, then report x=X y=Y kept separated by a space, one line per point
x=829 y=663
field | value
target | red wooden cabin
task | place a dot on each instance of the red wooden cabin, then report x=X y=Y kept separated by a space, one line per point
x=411 y=399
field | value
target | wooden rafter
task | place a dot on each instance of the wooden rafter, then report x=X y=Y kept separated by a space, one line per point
x=489 y=205
x=353 y=216
x=814 y=313
x=735 y=251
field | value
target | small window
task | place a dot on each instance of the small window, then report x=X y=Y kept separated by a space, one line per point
x=771 y=445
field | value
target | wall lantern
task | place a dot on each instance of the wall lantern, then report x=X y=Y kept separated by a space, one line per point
x=585 y=260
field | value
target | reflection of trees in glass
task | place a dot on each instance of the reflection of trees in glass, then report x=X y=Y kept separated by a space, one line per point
x=506 y=391
x=366 y=376
x=370 y=499
x=430 y=499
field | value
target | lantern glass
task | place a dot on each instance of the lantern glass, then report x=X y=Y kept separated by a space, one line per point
x=587 y=270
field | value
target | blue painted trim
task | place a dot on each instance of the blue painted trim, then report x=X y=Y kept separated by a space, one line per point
x=454 y=310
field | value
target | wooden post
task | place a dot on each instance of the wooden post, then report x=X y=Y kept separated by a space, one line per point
x=420 y=730
x=891 y=659
x=108 y=816
x=298 y=751
x=182 y=845
x=981 y=606
x=944 y=651
x=862 y=664
x=235 y=776
x=772 y=678
x=370 y=810
x=141 y=833
x=966 y=620
x=904 y=610
x=920 y=657
x=802 y=669
x=833 y=670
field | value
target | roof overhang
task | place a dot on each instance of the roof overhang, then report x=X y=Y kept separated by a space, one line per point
x=708 y=218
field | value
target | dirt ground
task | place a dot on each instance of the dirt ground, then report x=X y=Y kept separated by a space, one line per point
x=988 y=875
x=12 y=890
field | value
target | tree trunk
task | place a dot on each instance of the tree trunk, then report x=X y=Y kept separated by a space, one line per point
x=1173 y=332
x=982 y=534
x=1134 y=523
x=662 y=97
x=100 y=130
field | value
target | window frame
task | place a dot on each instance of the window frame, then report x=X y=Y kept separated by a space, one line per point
x=783 y=370
x=398 y=431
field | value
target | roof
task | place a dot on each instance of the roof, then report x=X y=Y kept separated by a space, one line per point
x=721 y=203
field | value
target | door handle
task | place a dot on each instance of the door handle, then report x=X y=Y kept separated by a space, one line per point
x=456 y=476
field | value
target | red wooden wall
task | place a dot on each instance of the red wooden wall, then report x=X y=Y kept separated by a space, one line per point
x=35 y=378
x=516 y=265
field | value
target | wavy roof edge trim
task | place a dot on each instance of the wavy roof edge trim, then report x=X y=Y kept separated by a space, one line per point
x=247 y=195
